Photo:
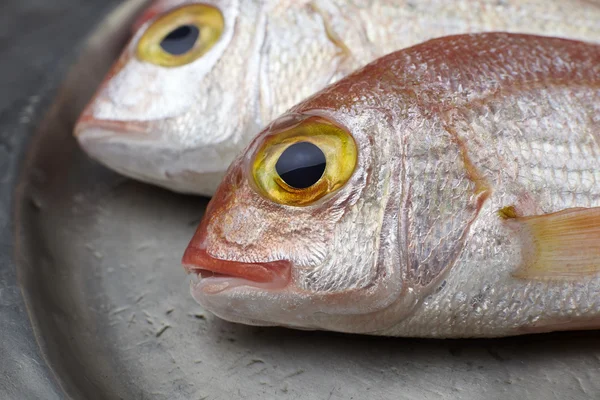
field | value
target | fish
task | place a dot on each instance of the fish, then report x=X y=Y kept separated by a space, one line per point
x=198 y=80
x=447 y=190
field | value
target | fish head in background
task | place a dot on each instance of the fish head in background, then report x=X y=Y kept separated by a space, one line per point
x=196 y=80
x=404 y=199
x=199 y=79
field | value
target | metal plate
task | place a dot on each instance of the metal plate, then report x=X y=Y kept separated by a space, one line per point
x=99 y=263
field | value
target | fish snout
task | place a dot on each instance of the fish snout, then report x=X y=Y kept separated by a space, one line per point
x=197 y=260
x=150 y=153
x=112 y=143
x=90 y=128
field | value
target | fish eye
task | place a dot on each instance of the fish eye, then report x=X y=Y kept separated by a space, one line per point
x=181 y=36
x=180 y=40
x=301 y=165
x=305 y=162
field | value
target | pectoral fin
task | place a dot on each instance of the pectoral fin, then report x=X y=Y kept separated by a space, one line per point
x=559 y=246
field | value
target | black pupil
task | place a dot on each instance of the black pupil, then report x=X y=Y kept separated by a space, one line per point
x=180 y=40
x=301 y=165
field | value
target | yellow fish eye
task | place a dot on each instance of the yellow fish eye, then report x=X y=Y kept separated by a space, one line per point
x=305 y=162
x=181 y=36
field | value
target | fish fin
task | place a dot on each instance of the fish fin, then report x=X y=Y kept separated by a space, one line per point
x=559 y=246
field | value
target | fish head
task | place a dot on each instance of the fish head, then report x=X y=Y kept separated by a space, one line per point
x=293 y=234
x=177 y=87
x=195 y=83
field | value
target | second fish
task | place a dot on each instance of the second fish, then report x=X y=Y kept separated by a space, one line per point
x=198 y=81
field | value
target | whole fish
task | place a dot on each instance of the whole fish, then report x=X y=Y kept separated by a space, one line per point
x=451 y=189
x=199 y=79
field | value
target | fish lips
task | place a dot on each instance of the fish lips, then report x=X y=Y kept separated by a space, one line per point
x=217 y=275
x=88 y=128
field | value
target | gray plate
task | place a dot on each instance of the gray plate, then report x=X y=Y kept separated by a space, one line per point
x=110 y=311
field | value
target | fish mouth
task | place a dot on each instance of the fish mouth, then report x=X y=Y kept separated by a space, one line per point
x=111 y=142
x=90 y=128
x=211 y=270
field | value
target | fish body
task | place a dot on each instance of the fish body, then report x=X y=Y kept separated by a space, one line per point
x=178 y=121
x=460 y=197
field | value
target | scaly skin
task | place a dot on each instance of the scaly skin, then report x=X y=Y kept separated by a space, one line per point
x=181 y=127
x=448 y=132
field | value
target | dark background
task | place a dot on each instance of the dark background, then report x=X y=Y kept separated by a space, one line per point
x=39 y=40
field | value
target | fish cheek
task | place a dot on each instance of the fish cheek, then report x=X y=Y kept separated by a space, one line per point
x=352 y=225
x=248 y=228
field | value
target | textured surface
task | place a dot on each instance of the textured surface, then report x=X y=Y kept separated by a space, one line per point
x=281 y=52
x=534 y=144
x=32 y=67
x=448 y=132
x=100 y=267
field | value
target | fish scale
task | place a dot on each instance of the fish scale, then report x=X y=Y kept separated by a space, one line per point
x=473 y=209
x=181 y=127
x=570 y=151
x=550 y=298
